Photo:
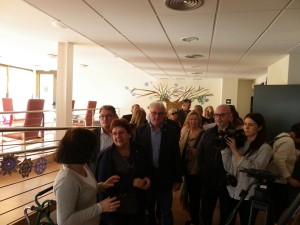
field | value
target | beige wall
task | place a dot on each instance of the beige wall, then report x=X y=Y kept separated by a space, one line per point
x=244 y=97
x=278 y=72
x=294 y=69
x=229 y=91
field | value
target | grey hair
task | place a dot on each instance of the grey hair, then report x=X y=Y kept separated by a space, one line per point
x=158 y=103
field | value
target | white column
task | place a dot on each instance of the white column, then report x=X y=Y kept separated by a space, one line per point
x=64 y=86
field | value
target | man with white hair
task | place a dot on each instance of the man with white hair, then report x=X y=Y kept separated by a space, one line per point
x=161 y=142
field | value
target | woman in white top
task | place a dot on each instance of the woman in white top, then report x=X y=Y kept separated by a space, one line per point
x=75 y=187
x=255 y=154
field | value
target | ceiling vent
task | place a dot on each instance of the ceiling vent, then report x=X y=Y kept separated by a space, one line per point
x=183 y=5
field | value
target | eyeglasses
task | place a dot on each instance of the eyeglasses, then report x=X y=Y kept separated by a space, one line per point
x=174 y=113
x=157 y=113
x=221 y=115
x=108 y=117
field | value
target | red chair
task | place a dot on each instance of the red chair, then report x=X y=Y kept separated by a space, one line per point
x=32 y=119
x=7 y=107
x=89 y=116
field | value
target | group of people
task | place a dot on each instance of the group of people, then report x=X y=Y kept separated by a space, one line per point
x=128 y=168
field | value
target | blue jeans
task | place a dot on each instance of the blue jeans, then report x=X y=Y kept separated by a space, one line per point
x=163 y=200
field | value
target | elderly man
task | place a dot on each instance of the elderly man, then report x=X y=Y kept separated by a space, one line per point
x=212 y=170
x=161 y=142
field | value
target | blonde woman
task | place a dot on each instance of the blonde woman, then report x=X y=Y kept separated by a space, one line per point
x=138 y=118
x=189 y=140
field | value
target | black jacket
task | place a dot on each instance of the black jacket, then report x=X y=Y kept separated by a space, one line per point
x=210 y=159
x=106 y=168
x=170 y=165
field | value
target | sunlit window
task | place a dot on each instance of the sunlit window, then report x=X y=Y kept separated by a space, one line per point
x=3 y=80
x=21 y=87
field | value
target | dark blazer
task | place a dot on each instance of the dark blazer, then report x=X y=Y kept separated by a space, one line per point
x=127 y=117
x=182 y=116
x=106 y=168
x=210 y=159
x=93 y=161
x=170 y=166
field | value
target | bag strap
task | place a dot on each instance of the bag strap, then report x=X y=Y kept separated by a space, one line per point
x=271 y=143
x=277 y=138
x=198 y=138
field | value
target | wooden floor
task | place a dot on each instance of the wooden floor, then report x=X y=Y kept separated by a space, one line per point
x=181 y=216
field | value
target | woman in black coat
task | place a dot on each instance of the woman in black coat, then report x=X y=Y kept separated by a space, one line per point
x=127 y=160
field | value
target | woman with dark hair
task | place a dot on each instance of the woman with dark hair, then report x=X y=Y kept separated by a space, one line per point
x=75 y=187
x=128 y=160
x=255 y=154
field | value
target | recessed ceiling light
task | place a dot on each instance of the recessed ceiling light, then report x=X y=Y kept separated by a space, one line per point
x=196 y=66
x=194 y=56
x=58 y=24
x=84 y=65
x=196 y=73
x=52 y=56
x=189 y=39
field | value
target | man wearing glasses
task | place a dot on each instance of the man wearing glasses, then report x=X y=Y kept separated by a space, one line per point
x=211 y=168
x=107 y=115
x=161 y=142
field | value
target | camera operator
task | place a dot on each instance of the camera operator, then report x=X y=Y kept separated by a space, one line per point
x=254 y=154
x=212 y=169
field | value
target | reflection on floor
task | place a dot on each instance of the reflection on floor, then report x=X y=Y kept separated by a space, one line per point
x=181 y=216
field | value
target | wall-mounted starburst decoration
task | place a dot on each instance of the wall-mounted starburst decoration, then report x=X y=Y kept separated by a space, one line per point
x=25 y=167
x=9 y=164
x=40 y=166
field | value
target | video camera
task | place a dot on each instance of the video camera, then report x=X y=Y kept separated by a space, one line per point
x=262 y=179
x=260 y=174
x=237 y=135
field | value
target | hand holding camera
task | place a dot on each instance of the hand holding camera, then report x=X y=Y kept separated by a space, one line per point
x=232 y=146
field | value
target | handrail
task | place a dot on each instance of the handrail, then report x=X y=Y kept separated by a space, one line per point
x=31 y=111
x=33 y=150
x=12 y=129
x=54 y=110
x=25 y=129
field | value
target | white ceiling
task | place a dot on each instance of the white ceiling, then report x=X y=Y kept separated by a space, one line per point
x=237 y=38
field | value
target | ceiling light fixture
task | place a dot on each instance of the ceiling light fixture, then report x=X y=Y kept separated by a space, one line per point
x=58 y=24
x=189 y=39
x=52 y=56
x=194 y=56
x=196 y=66
x=194 y=74
x=84 y=65
x=183 y=5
